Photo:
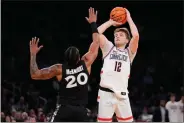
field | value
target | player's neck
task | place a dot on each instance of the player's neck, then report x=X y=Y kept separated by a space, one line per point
x=172 y=101
x=120 y=46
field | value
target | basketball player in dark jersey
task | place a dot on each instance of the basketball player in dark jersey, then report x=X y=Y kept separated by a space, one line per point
x=73 y=76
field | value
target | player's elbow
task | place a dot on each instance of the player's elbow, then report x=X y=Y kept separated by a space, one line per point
x=136 y=36
x=96 y=41
x=100 y=30
x=102 y=40
x=34 y=77
x=95 y=37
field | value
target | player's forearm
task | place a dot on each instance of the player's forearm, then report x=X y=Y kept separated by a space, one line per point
x=95 y=33
x=94 y=47
x=95 y=36
x=102 y=28
x=33 y=65
x=133 y=28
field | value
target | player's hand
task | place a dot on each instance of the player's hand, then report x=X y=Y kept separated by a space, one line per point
x=127 y=14
x=92 y=15
x=114 y=23
x=34 y=49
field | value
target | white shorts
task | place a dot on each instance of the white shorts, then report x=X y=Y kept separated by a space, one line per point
x=109 y=104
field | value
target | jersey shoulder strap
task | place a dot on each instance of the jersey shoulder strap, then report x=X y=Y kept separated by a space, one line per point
x=109 y=52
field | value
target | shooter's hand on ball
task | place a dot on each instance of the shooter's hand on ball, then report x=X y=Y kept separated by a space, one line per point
x=34 y=49
x=127 y=14
x=92 y=15
x=114 y=23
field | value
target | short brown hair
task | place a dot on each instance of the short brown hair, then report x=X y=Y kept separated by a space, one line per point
x=125 y=30
x=172 y=95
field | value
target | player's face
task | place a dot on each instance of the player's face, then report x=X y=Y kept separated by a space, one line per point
x=172 y=98
x=162 y=103
x=120 y=38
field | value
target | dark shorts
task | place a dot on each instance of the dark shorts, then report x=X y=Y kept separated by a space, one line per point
x=69 y=113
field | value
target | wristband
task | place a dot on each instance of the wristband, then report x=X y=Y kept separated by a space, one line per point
x=94 y=27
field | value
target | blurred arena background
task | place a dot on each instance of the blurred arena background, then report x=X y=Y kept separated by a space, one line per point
x=155 y=74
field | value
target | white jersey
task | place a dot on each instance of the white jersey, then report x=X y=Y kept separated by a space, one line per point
x=180 y=111
x=116 y=70
x=172 y=108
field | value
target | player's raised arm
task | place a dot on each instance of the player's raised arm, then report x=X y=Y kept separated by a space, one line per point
x=133 y=45
x=102 y=28
x=92 y=53
x=45 y=73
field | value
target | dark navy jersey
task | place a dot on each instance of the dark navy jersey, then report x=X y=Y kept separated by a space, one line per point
x=74 y=84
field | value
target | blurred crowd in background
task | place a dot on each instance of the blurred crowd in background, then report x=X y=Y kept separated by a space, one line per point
x=156 y=72
x=36 y=100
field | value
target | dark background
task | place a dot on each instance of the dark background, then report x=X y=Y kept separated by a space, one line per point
x=62 y=24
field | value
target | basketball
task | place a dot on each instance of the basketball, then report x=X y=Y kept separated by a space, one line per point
x=118 y=14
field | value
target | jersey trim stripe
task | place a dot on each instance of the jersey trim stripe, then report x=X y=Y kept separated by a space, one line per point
x=121 y=50
x=55 y=113
x=123 y=119
x=104 y=119
x=101 y=72
x=108 y=52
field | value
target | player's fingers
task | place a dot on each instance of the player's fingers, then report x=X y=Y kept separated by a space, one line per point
x=40 y=47
x=96 y=12
x=37 y=41
x=126 y=10
x=34 y=40
x=87 y=19
x=91 y=11
x=30 y=42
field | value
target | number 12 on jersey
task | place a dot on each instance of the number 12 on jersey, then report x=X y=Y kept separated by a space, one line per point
x=117 y=66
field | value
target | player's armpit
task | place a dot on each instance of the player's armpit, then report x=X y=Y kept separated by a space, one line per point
x=47 y=73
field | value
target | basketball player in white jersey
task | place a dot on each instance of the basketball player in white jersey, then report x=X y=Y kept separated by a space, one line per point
x=113 y=93
x=172 y=108
x=181 y=110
